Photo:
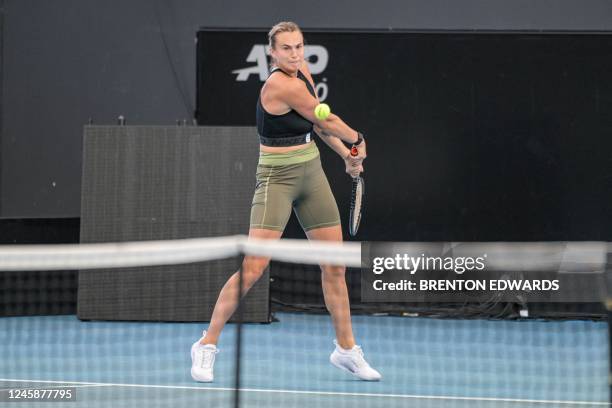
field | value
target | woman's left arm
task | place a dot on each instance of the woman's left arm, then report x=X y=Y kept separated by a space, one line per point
x=333 y=142
x=353 y=165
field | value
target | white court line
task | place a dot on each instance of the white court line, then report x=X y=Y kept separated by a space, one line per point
x=57 y=386
x=328 y=393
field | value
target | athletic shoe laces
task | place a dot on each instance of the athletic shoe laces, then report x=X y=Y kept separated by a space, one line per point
x=359 y=359
x=207 y=357
x=356 y=354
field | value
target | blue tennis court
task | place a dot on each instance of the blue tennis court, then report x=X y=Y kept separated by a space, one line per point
x=424 y=362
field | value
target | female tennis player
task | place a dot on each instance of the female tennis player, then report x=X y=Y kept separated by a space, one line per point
x=289 y=175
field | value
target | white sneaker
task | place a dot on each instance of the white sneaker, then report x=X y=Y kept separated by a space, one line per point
x=203 y=360
x=352 y=361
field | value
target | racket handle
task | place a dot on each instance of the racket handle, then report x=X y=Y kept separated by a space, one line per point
x=354 y=151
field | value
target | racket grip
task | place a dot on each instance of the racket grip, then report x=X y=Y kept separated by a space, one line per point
x=354 y=151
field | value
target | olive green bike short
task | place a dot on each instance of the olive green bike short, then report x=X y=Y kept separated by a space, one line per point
x=293 y=180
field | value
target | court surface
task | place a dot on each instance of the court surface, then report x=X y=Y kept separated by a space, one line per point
x=424 y=363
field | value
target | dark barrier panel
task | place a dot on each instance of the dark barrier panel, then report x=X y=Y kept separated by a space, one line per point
x=154 y=183
x=471 y=137
x=27 y=293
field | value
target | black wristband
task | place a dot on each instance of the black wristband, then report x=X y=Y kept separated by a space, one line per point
x=359 y=139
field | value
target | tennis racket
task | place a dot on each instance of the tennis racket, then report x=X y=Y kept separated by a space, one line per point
x=356 y=200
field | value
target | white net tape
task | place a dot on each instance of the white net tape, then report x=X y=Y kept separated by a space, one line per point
x=171 y=252
x=517 y=256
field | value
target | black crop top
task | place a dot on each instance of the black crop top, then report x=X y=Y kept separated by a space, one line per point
x=288 y=129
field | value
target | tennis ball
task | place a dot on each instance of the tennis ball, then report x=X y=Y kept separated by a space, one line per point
x=322 y=111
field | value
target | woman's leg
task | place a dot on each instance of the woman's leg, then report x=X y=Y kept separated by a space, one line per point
x=227 y=303
x=270 y=210
x=335 y=290
x=347 y=356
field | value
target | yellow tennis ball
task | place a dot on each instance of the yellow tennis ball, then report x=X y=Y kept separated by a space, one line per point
x=322 y=111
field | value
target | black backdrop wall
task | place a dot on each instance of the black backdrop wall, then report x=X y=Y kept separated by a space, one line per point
x=471 y=137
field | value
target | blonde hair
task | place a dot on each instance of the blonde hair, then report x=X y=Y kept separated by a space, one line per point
x=282 y=27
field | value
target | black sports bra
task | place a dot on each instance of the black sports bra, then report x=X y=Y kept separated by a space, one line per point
x=288 y=129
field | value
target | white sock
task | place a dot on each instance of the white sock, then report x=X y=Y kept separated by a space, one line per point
x=343 y=350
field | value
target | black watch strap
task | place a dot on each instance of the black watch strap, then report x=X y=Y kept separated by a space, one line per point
x=359 y=139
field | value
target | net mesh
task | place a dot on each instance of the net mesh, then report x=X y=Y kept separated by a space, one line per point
x=471 y=361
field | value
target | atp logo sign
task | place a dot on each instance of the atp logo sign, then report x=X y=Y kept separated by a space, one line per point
x=316 y=56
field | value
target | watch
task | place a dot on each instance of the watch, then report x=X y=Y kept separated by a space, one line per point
x=359 y=139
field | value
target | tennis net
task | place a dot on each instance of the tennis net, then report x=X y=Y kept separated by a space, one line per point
x=141 y=305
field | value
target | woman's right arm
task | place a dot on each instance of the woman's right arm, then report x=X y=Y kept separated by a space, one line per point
x=297 y=97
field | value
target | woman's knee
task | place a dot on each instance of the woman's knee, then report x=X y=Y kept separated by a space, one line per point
x=253 y=268
x=333 y=272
